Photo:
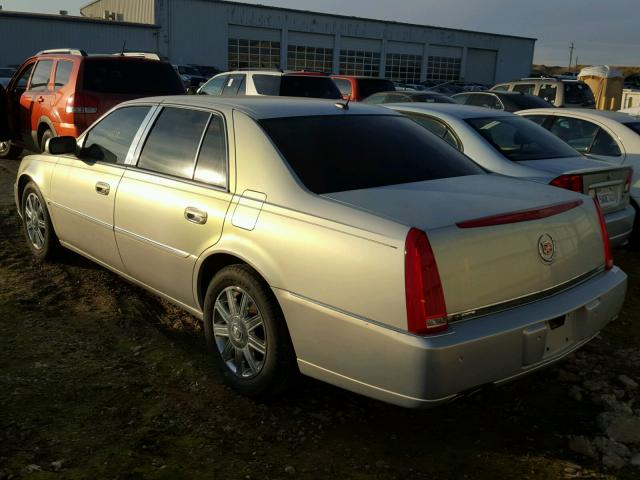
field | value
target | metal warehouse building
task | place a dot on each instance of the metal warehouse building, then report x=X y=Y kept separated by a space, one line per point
x=231 y=35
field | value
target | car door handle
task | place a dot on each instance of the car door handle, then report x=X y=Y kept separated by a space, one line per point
x=40 y=99
x=195 y=215
x=103 y=188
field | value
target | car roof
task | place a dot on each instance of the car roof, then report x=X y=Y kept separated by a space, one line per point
x=451 y=109
x=584 y=113
x=263 y=107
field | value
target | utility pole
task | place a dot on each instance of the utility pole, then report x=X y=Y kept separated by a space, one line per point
x=577 y=63
x=571 y=47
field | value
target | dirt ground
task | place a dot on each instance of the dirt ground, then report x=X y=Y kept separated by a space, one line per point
x=99 y=379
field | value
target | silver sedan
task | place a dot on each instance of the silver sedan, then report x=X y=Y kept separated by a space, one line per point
x=338 y=241
x=504 y=143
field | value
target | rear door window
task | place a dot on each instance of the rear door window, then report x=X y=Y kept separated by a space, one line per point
x=211 y=167
x=524 y=88
x=234 y=86
x=109 y=140
x=173 y=142
x=267 y=84
x=578 y=93
x=398 y=151
x=579 y=134
x=214 y=86
x=41 y=76
x=63 y=73
x=309 y=86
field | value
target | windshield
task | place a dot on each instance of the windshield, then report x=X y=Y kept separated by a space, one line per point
x=372 y=151
x=579 y=93
x=519 y=139
x=134 y=77
x=635 y=126
x=369 y=86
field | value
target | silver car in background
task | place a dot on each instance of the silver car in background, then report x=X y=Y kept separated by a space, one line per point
x=344 y=242
x=504 y=143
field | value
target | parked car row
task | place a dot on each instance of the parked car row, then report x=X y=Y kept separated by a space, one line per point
x=339 y=240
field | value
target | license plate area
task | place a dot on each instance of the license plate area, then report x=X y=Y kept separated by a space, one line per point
x=560 y=335
x=608 y=196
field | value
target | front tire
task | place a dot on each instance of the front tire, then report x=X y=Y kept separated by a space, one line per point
x=9 y=150
x=246 y=333
x=38 y=229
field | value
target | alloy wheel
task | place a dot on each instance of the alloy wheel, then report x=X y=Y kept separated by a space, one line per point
x=239 y=332
x=34 y=221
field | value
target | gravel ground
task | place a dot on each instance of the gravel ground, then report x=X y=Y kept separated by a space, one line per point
x=99 y=379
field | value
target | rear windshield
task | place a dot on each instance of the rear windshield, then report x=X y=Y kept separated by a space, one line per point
x=431 y=98
x=296 y=86
x=525 y=101
x=635 y=126
x=369 y=86
x=135 y=77
x=337 y=153
x=578 y=93
x=519 y=139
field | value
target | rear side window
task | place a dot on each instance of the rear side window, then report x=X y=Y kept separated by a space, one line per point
x=343 y=85
x=373 y=151
x=578 y=93
x=434 y=126
x=110 y=139
x=484 y=100
x=577 y=133
x=172 y=144
x=635 y=126
x=41 y=75
x=214 y=86
x=524 y=88
x=131 y=76
x=309 y=86
x=63 y=73
x=267 y=84
x=605 y=145
x=212 y=160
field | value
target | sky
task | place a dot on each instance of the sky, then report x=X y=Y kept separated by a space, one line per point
x=604 y=31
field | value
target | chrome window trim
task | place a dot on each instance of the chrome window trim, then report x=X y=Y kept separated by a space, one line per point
x=144 y=135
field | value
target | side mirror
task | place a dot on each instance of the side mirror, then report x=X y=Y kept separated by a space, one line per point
x=61 y=145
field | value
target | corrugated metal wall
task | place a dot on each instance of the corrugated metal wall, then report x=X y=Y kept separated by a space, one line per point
x=24 y=35
x=139 y=11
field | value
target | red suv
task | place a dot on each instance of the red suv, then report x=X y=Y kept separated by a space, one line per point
x=359 y=88
x=62 y=92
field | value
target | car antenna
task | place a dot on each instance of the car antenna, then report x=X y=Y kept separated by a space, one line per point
x=124 y=44
x=344 y=106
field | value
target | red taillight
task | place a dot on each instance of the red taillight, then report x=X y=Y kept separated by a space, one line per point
x=426 y=309
x=608 y=257
x=569 y=182
x=628 y=180
x=81 y=103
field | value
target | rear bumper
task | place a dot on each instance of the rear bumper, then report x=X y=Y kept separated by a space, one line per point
x=414 y=371
x=620 y=225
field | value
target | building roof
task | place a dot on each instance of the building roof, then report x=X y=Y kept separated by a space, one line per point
x=71 y=18
x=347 y=17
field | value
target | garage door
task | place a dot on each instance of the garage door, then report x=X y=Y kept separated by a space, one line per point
x=481 y=66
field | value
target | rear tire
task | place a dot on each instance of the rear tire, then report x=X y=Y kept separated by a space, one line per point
x=246 y=333
x=46 y=135
x=38 y=229
x=8 y=150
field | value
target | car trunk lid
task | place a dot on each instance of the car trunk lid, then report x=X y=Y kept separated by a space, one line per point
x=486 y=266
